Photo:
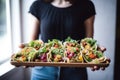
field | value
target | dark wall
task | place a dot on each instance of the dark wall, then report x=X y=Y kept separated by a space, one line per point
x=117 y=55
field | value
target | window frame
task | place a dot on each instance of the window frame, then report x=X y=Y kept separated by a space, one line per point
x=13 y=13
x=8 y=27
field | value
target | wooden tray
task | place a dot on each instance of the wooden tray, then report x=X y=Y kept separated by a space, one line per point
x=31 y=64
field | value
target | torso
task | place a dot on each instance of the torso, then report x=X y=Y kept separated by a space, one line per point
x=62 y=21
x=57 y=22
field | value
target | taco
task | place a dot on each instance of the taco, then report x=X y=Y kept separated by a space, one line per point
x=25 y=54
x=88 y=43
x=56 y=55
x=43 y=54
x=37 y=44
x=94 y=56
x=73 y=54
x=54 y=43
x=71 y=42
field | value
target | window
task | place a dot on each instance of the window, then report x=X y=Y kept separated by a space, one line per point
x=10 y=32
x=5 y=37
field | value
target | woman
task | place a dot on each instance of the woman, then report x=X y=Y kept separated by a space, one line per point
x=58 y=19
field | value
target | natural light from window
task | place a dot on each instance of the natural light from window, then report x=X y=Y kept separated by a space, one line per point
x=5 y=38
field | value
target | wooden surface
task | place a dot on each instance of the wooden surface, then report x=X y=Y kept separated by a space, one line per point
x=58 y=64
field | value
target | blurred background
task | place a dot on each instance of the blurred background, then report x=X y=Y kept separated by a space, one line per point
x=14 y=29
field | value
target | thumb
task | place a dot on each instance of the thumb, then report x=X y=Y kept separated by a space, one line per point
x=21 y=45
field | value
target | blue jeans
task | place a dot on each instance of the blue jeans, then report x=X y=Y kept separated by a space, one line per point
x=56 y=73
x=45 y=73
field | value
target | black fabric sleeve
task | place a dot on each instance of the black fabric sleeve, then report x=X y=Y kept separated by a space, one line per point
x=35 y=9
x=89 y=10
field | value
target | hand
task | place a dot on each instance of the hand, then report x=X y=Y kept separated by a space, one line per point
x=102 y=68
x=21 y=45
x=97 y=68
x=100 y=48
x=24 y=66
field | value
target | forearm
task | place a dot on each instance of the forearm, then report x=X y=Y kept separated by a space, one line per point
x=35 y=36
x=34 y=27
x=89 y=26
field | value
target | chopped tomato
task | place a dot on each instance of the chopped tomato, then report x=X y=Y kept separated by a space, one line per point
x=77 y=49
x=92 y=56
x=56 y=46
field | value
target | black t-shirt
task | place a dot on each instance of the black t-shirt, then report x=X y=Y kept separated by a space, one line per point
x=59 y=23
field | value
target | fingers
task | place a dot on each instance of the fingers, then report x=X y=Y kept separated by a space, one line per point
x=17 y=66
x=95 y=68
x=92 y=69
x=21 y=45
x=28 y=66
x=109 y=60
x=103 y=68
x=24 y=66
x=101 y=48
